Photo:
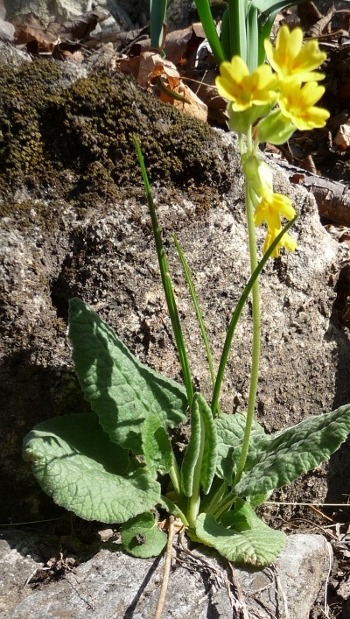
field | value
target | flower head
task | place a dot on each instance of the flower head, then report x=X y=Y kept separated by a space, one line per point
x=286 y=241
x=291 y=59
x=269 y=209
x=297 y=103
x=243 y=89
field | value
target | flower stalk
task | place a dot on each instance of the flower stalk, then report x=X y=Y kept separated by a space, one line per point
x=273 y=101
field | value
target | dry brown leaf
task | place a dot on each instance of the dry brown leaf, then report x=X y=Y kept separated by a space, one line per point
x=193 y=107
x=152 y=65
x=79 y=28
x=321 y=25
x=29 y=28
x=342 y=138
x=129 y=66
x=180 y=44
x=68 y=51
x=207 y=92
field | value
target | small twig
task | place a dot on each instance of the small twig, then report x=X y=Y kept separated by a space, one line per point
x=167 y=566
x=330 y=552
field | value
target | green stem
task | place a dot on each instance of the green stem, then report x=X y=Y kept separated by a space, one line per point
x=166 y=281
x=174 y=475
x=256 y=326
x=197 y=308
x=225 y=505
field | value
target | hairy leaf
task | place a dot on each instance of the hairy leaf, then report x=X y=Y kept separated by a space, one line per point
x=141 y=536
x=201 y=452
x=208 y=466
x=192 y=454
x=230 y=431
x=156 y=445
x=277 y=459
x=249 y=540
x=121 y=390
x=80 y=468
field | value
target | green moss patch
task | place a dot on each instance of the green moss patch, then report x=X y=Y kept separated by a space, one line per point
x=76 y=144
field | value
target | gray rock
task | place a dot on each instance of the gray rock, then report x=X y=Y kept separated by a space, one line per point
x=128 y=13
x=112 y=584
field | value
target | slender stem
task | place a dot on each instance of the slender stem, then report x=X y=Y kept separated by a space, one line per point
x=166 y=281
x=167 y=567
x=225 y=504
x=197 y=308
x=256 y=327
x=174 y=475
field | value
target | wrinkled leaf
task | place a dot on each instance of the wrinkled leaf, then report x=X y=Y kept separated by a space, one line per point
x=80 y=468
x=208 y=467
x=156 y=445
x=201 y=452
x=230 y=432
x=141 y=536
x=276 y=460
x=249 y=540
x=121 y=390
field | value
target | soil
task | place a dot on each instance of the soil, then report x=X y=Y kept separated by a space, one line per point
x=72 y=151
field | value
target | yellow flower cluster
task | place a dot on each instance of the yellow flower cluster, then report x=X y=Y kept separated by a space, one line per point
x=294 y=87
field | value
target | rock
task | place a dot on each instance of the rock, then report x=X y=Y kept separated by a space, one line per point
x=7 y=31
x=114 y=584
x=127 y=13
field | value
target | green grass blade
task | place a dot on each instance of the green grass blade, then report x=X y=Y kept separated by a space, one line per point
x=265 y=24
x=166 y=281
x=237 y=313
x=192 y=290
x=237 y=10
x=253 y=38
x=157 y=17
x=205 y=16
x=268 y=6
x=225 y=34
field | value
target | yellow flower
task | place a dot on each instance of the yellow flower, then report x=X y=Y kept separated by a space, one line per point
x=269 y=209
x=297 y=104
x=290 y=58
x=287 y=241
x=244 y=89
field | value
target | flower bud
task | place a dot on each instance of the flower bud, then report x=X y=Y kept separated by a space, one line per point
x=275 y=128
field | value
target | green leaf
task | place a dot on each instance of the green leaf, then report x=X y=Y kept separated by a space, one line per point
x=230 y=432
x=141 y=536
x=121 y=390
x=249 y=540
x=192 y=454
x=278 y=459
x=209 y=27
x=80 y=468
x=208 y=467
x=200 y=458
x=157 y=17
x=156 y=445
x=269 y=6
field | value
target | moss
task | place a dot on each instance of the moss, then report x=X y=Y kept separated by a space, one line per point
x=77 y=143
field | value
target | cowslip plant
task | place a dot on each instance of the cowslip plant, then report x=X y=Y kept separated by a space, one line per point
x=117 y=464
